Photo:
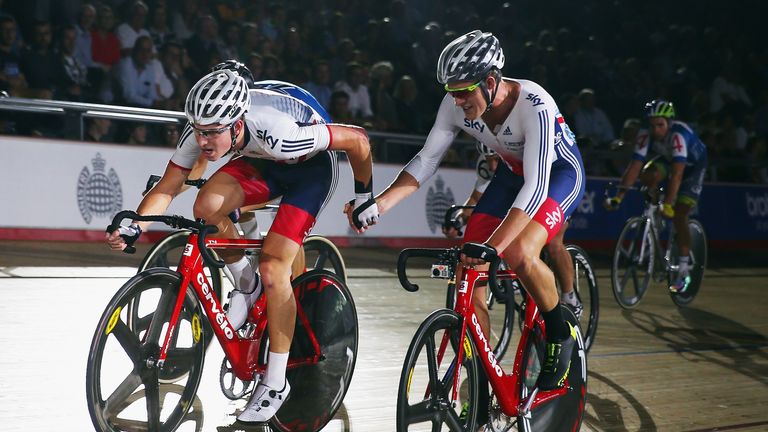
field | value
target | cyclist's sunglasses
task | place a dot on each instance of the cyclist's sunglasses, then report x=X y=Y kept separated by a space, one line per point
x=210 y=133
x=462 y=91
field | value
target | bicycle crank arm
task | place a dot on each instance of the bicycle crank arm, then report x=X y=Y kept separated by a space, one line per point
x=527 y=407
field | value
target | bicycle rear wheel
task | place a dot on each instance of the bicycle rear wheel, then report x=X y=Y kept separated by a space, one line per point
x=563 y=413
x=321 y=253
x=426 y=385
x=585 y=287
x=698 y=264
x=633 y=261
x=317 y=390
x=125 y=389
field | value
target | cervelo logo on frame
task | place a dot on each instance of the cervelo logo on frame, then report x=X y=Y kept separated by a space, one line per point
x=486 y=347
x=221 y=319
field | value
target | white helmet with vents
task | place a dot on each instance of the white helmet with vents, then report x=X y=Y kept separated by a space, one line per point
x=221 y=97
x=470 y=58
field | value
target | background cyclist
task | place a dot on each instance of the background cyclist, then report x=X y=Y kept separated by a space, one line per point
x=674 y=153
x=539 y=184
x=281 y=147
x=562 y=262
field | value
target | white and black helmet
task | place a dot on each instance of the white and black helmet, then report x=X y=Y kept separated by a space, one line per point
x=221 y=97
x=470 y=57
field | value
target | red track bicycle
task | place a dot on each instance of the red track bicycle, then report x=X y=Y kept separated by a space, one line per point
x=149 y=344
x=450 y=346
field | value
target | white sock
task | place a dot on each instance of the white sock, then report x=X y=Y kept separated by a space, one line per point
x=685 y=265
x=277 y=363
x=243 y=274
x=570 y=298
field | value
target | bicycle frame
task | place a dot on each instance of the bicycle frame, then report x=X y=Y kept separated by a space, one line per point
x=651 y=221
x=504 y=385
x=242 y=352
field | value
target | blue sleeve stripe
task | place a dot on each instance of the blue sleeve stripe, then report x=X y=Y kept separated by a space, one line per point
x=299 y=141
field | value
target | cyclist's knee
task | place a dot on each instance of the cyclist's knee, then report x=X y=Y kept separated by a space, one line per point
x=208 y=208
x=275 y=273
x=519 y=258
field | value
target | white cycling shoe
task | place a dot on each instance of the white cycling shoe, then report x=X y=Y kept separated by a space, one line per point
x=240 y=303
x=264 y=403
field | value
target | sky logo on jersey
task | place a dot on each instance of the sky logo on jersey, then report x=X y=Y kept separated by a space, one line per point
x=474 y=124
x=267 y=138
x=554 y=218
x=535 y=99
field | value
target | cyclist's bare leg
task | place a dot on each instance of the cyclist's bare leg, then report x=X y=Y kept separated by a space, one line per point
x=522 y=256
x=682 y=234
x=299 y=265
x=220 y=195
x=562 y=264
x=275 y=261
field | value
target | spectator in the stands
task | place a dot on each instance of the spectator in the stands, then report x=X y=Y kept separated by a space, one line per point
x=173 y=83
x=591 y=123
x=382 y=101
x=11 y=78
x=98 y=129
x=38 y=62
x=727 y=90
x=71 y=75
x=255 y=63
x=83 y=43
x=230 y=48
x=137 y=79
x=250 y=39
x=205 y=43
x=352 y=85
x=406 y=101
x=105 y=46
x=319 y=86
x=137 y=134
x=344 y=54
x=169 y=134
x=158 y=25
x=294 y=58
x=184 y=19
x=339 y=109
x=133 y=28
x=271 y=67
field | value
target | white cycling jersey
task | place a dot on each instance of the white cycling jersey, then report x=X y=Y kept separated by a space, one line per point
x=529 y=141
x=279 y=127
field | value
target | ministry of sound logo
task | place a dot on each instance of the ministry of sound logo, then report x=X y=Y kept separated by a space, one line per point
x=438 y=201
x=98 y=193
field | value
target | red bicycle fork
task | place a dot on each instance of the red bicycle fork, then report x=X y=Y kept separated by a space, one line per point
x=242 y=353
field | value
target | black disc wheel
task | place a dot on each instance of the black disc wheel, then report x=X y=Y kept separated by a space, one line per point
x=564 y=413
x=126 y=388
x=427 y=381
x=317 y=390
x=321 y=253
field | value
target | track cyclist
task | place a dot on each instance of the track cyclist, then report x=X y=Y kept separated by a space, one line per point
x=562 y=263
x=668 y=150
x=281 y=147
x=539 y=184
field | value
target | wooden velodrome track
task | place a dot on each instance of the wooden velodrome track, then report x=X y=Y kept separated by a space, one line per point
x=657 y=368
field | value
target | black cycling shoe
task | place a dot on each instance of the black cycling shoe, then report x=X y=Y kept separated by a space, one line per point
x=557 y=362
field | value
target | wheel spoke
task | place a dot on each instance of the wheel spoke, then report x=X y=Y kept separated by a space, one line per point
x=432 y=365
x=158 y=321
x=181 y=358
x=116 y=402
x=152 y=395
x=421 y=411
x=128 y=340
x=452 y=421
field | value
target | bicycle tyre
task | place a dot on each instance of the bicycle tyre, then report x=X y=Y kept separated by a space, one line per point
x=325 y=255
x=564 y=413
x=698 y=264
x=501 y=323
x=318 y=390
x=131 y=327
x=585 y=286
x=630 y=272
x=436 y=407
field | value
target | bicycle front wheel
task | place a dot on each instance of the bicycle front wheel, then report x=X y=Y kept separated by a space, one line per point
x=633 y=260
x=698 y=255
x=321 y=253
x=427 y=379
x=585 y=287
x=563 y=413
x=125 y=388
x=318 y=389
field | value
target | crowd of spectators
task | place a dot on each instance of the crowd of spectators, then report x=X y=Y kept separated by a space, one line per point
x=372 y=62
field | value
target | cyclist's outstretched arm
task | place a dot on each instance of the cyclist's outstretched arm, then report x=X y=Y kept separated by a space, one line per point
x=353 y=140
x=630 y=176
